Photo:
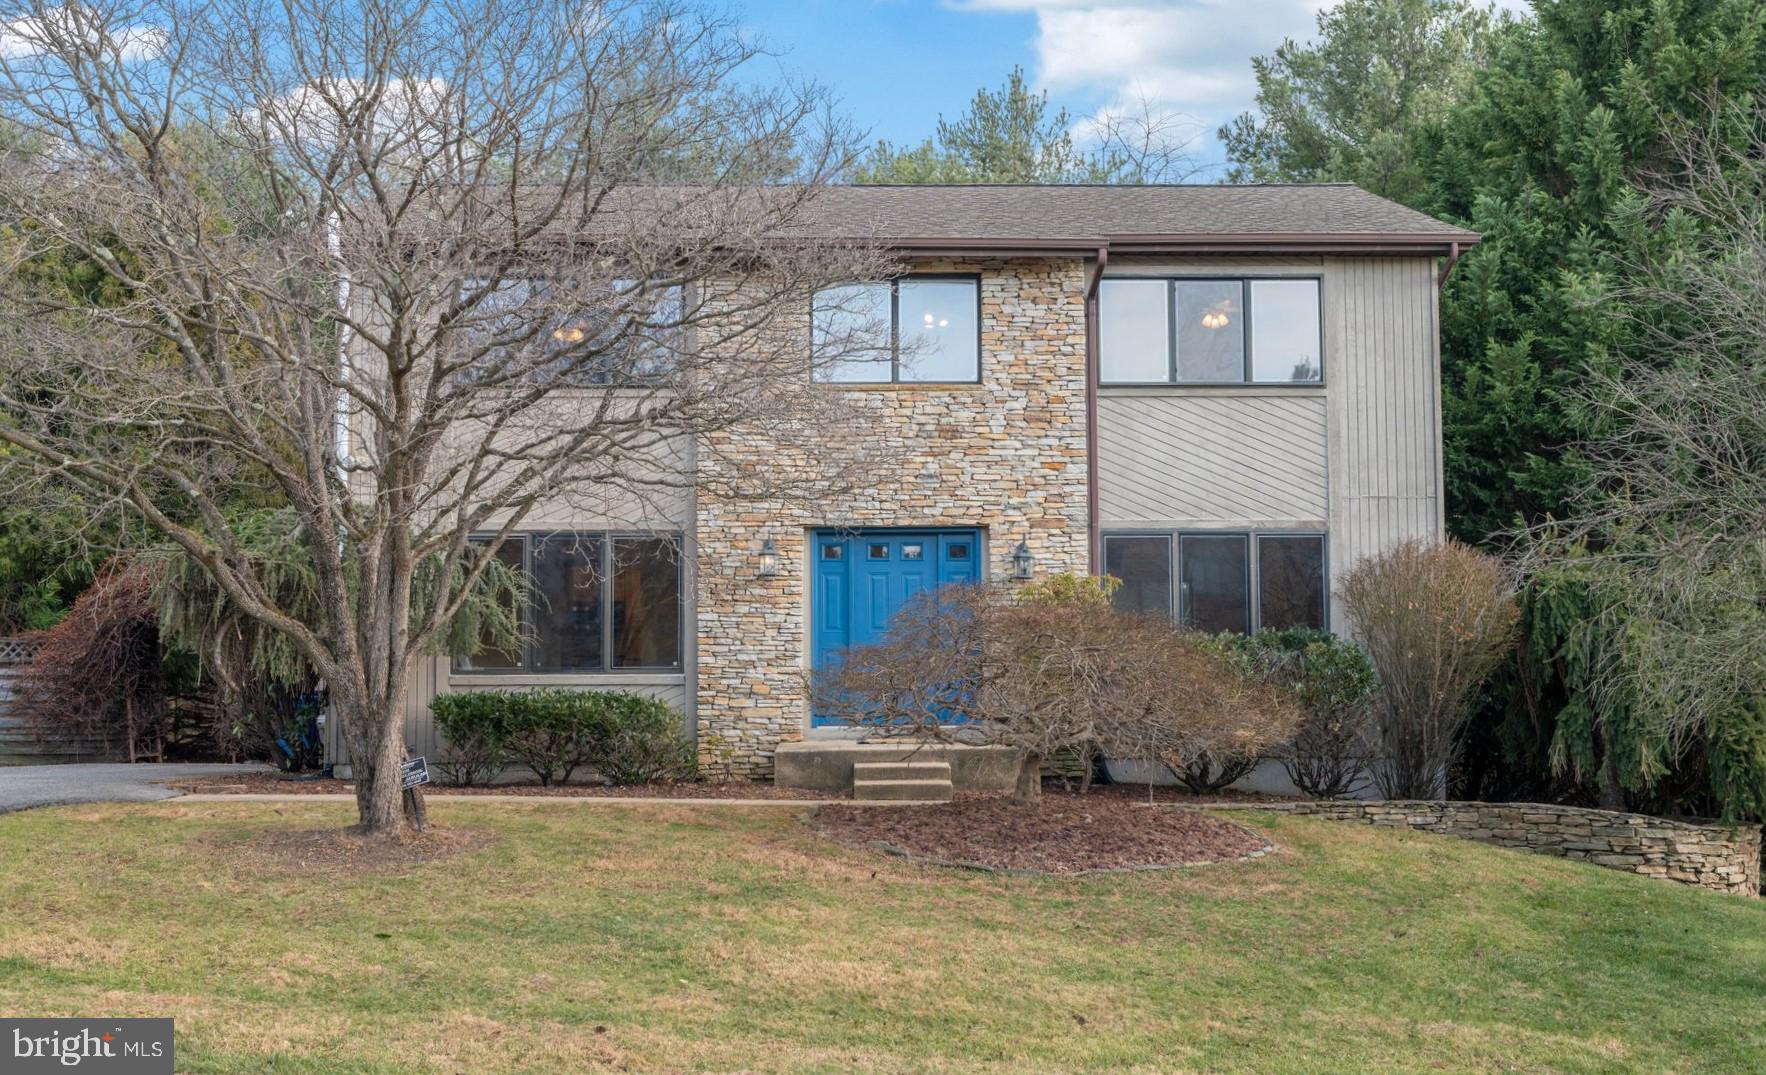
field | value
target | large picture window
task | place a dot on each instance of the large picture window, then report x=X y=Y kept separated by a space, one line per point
x=624 y=332
x=596 y=603
x=1222 y=581
x=916 y=329
x=1159 y=330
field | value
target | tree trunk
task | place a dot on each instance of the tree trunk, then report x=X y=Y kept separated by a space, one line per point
x=375 y=733
x=1612 y=796
x=1029 y=787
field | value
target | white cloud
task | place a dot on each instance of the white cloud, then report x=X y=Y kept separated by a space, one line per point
x=1187 y=56
x=35 y=35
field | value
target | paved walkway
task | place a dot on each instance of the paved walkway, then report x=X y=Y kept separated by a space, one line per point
x=25 y=786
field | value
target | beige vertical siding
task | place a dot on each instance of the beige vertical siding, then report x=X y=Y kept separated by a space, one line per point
x=1385 y=406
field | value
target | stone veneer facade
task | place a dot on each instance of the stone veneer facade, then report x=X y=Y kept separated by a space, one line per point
x=1006 y=456
x=1705 y=854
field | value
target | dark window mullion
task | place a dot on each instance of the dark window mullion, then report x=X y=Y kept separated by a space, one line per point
x=529 y=656
x=895 y=331
x=1245 y=329
x=1171 y=330
x=606 y=569
x=1253 y=561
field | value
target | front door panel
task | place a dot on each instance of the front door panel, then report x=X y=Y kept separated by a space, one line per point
x=860 y=579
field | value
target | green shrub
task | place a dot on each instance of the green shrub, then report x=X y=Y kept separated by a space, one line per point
x=476 y=727
x=1334 y=683
x=641 y=741
x=554 y=731
x=627 y=738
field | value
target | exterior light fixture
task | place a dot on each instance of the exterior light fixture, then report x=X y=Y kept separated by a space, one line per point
x=769 y=560
x=1023 y=563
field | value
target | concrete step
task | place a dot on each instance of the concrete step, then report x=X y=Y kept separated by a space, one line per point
x=912 y=791
x=901 y=770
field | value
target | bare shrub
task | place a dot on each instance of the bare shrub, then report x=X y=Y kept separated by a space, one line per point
x=1436 y=620
x=1051 y=669
x=1206 y=773
x=97 y=680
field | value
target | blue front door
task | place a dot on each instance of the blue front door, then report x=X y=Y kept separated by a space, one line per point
x=861 y=578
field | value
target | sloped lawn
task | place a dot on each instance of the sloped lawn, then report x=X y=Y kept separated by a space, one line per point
x=557 y=938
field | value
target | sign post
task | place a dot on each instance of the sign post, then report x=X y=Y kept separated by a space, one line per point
x=414 y=772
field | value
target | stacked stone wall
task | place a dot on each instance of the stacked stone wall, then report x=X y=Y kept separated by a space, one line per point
x=1005 y=456
x=1706 y=854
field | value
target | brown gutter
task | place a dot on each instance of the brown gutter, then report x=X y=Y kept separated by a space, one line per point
x=1447 y=269
x=1094 y=531
x=1195 y=243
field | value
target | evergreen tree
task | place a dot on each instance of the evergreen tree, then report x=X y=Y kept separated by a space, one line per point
x=1350 y=106
x=1009 y=135
x=1540 y=158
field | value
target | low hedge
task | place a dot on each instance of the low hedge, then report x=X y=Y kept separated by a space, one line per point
x=627 y=738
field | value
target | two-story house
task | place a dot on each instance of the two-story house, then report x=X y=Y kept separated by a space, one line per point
x=1222 y=395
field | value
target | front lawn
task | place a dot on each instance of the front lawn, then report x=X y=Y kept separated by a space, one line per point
x=693 y=938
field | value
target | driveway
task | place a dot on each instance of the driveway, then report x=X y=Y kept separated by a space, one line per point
x=25 y=786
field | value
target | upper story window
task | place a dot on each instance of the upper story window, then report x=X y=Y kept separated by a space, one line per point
x=1209 y=331
x=624 y=332
x=915 y=329
x=597 y=603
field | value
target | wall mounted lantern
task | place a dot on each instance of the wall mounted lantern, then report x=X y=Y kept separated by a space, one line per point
x=769 y=560
x=1023 y=563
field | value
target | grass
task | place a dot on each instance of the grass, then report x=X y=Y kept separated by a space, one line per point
x=717 y=939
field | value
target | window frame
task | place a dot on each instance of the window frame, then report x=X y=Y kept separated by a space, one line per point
x=1170 y=539
x=1254 y=563
x=894 y=284
x=1244 y=280
x=605 y=568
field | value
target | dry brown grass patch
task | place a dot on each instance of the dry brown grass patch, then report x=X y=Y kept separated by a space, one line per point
x=336 y=851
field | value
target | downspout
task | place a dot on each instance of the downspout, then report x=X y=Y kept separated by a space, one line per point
x=1447 y=269
x=1093 y=526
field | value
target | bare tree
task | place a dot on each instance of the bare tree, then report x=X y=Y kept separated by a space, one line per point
x=1047 y=671
x=420 y=269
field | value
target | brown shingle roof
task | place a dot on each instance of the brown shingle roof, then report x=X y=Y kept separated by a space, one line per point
x=1129 y=218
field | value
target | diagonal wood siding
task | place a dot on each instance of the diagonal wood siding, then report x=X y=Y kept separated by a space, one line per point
x=1209 y=459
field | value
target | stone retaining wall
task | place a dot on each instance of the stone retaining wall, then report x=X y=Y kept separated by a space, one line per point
x=1706 y=854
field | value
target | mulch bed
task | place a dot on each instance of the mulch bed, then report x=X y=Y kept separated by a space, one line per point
x=1160 y=793
x=1065 y=834
x=277 y=784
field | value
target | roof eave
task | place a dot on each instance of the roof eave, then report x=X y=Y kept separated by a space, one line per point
x=1364 y=243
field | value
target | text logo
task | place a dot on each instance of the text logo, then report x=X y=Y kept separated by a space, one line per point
x=90 y=1046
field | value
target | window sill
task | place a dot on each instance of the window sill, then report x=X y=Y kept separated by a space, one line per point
x=1212 y=390
x=636 y=678
x=906 y=386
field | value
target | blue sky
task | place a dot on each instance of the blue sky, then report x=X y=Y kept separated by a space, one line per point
x=897 y=64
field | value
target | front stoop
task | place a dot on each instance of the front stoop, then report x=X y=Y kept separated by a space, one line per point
x=902 y=781
x=831 y=765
